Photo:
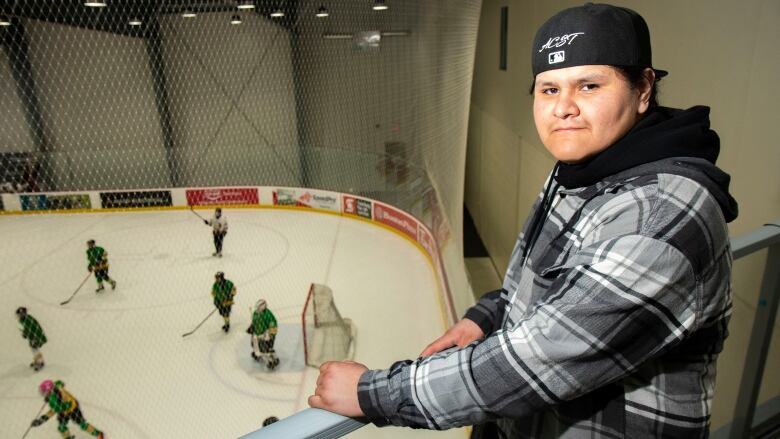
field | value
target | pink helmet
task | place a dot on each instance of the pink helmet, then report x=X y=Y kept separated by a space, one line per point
x=46 y=387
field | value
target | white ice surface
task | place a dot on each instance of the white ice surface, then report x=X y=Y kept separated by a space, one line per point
x=121 y=353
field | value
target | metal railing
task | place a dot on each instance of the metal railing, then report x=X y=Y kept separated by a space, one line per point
x=320 y=424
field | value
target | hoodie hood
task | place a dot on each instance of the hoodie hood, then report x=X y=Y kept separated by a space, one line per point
x=666 y=140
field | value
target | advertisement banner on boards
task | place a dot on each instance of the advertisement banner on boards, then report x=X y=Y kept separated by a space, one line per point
x=69 y=201
x=426 y=241
x=135 y=199
x=34 y=202
x=222 y=196
x=356 y=206
x=306 y=198
x=396 y=219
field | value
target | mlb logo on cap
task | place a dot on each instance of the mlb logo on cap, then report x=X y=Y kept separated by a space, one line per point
x=556 y=57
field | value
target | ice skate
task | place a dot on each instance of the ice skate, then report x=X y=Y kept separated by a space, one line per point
x=219 y=254
x=214 y=254
x=38 y=366
x=226 y=327
x=100 y=288
x=271 y=361
x=113 y=284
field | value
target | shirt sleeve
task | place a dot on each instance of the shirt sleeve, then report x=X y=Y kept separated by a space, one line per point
x=615 y=305
x=488 y=313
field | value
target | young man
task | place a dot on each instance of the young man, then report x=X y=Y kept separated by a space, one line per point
x=98 y=264
x=33 y=333
x=219 y=227
x=223 y=292
x=263 y=331
x=617 y=297
x=66 y=407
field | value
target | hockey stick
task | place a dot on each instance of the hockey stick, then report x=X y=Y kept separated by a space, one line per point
x=36 y=417
x=200 y=324
x=77 y=290
x=192 y=209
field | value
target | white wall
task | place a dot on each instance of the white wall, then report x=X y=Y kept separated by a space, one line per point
x=15 y=136
x=719 y=53
x=97 y=100
x=232 y=99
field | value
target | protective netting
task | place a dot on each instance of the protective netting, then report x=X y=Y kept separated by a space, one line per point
x=372 y=102
x=327 y=336
x=147 y=95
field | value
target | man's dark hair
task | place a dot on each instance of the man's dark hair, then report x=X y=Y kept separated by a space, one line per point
x=634 y=75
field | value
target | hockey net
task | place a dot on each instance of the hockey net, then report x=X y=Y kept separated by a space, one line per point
x=327 y=336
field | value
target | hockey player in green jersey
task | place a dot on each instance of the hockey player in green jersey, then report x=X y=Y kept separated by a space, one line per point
x=263 y=331
x=66 y=407
x=222 y=292
x=98 y=264
x=32 y=331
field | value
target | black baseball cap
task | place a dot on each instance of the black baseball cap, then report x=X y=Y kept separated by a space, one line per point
x=593 y=34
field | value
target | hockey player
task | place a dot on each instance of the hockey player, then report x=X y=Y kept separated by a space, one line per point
x=66 y=407
x=223 y=292
x=98 y=264
x=263 y=331
x=219 y=227
x=32 y=331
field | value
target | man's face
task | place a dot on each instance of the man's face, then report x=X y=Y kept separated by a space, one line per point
x=580 y=111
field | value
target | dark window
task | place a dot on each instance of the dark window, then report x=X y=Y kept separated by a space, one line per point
x=502 y=49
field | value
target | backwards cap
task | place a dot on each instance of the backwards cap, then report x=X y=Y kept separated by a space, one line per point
x=593 y=34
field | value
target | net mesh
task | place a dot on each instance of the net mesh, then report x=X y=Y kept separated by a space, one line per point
x=135 y=96
x=326 y=335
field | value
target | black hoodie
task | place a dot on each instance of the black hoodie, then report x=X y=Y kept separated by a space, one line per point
x=666 y=140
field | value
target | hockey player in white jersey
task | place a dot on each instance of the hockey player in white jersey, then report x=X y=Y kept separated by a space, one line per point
x=219 y=227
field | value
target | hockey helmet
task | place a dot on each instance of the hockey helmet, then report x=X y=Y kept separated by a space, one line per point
x=46 y=387
x=21 y=311
x=91 y=242
x=261 y=305
x=220 y=275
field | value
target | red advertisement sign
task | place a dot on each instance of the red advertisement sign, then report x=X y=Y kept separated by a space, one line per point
x=356 y=206
x=426 y=241
x=221 y=196
x=396 y=219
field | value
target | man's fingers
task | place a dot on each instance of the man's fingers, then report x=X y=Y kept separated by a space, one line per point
x=437 y=346
x=315 y=402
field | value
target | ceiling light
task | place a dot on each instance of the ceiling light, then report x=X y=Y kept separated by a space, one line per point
x=277 y=13
x=235 y=20
x=95 y=4
x=135 y=22
x=245 y=5
x=188 y=14
x=5 y=21
x=322 y=12
x=379 y=5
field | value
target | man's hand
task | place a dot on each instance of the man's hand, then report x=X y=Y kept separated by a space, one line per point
x=337 y=388
x=463 y=333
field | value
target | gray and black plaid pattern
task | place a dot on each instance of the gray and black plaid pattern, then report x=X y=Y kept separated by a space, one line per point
x=611 y=328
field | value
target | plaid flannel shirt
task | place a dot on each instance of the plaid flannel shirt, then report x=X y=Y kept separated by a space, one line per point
x=610 y=329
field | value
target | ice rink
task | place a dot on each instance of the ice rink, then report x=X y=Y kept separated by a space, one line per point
x=122 y=355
